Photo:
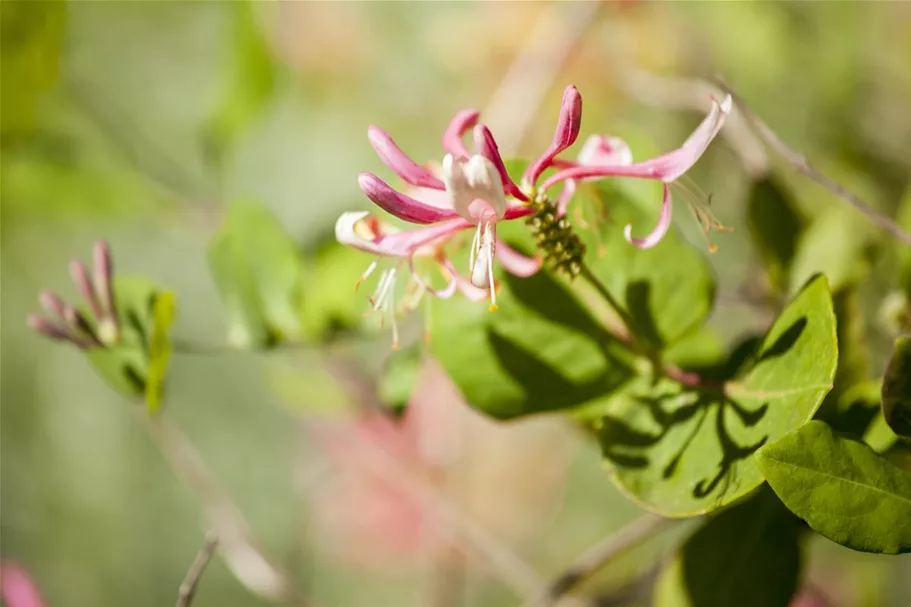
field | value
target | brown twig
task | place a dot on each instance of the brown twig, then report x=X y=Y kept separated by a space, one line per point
x=237 y=547
x=595 y=558
x=800 y=162
x=188 y=587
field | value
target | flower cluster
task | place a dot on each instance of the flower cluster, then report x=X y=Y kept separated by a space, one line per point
x=64 y=322
x=471 y=189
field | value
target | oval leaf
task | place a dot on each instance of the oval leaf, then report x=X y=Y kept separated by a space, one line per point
x=897 y=389
x=685 y=452
x=541 y=351
x=842 y=488
x=749 y=556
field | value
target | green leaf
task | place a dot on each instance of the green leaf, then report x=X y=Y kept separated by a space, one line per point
x=541 y=351
x=259 y=275
x=841 y=488
x=897 y=389
x=682 y=451
x=331 y=306
x=668 y=289
x=748 y=555
x=835 y=245
x=775 y=225
x=125 y=367
x=31 y=41
x=160 y=348
x=251 y=82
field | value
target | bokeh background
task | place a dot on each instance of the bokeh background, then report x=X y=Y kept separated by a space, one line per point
x=140 y=122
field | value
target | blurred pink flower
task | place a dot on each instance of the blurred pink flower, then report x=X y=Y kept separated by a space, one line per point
x=368 y=510
x=17 y=587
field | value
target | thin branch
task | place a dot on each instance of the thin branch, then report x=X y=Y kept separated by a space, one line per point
x=800 y=162
x=521 y=91
x=599 y=555
x=194 y=574
x=237 y=547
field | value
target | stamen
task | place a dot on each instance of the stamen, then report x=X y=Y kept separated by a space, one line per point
x=491 y=244
x=366 y=273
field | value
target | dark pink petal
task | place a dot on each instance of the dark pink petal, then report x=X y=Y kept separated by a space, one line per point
x=486 y=145
x=568 y=125
x=398 y=161
x=666 y=167
x=52 y=304
x=452 y=136
x=80 y=276
x=664 y=222
x=104 y=276
x=48 y=328
x=17 y=587
x=515 y=262
x=398 y=204
x=517 y=211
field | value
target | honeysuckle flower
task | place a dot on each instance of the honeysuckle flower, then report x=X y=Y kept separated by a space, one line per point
x=472 y=189
x=610 y=157
x=64 y=322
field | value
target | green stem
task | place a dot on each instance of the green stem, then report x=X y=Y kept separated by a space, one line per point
x=629 y=335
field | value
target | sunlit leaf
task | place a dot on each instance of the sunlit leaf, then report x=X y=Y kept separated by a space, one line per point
x=683 y=451
x=748 y=555
x=841 y=487
x=125 y=366
x=259 y=275
x=160 y=348
x=897 y=389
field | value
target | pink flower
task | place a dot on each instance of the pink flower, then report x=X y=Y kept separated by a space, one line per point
x=610 y=157
x=473 y=190
x=17 y=587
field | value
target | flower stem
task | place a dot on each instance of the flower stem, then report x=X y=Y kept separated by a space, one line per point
x=628 y=336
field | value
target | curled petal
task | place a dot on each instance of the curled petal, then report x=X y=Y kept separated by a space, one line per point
x=655 y=236
x=666 y=167
x=444 y=293
x=398 y=161
x=600 y=150
x=452 y=136
x=359 y=230
x=516 y=263
x=565 y=196
x=568 y=125
x=396 y=203
x=464 y=285
x=486 y=145
x=475 y=187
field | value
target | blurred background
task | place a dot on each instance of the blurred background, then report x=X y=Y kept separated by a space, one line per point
x=140 y=122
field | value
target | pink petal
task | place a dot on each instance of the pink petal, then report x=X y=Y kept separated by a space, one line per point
x=444 y=293
x=452 y=136
x=352 y=229
x=664 y=222
x=666 y=167
x=516 y=263
x=517 y=211
x=603 y=150
x=566 y=195
x=486 y=145
x=17 y=587
x=398 y=161
x=396 y=203
x=568 y=125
